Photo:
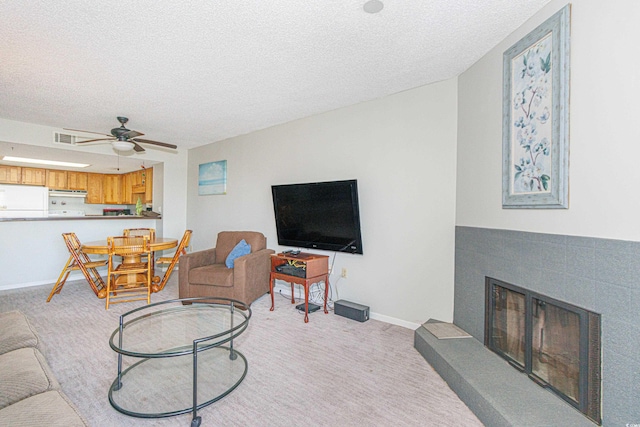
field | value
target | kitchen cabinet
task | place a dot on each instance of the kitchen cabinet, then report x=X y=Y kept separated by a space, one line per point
x=94 y=188
x=10 y=174
x=76 y=180
x=33 y=176
x=137 y=184
x=112 y=189
x=57 y=179
x=148 y=193
x=127 y=188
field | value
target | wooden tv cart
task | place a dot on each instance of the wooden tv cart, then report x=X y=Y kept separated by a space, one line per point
x=314 y=268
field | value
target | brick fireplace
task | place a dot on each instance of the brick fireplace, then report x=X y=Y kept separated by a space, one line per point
x=598 y=275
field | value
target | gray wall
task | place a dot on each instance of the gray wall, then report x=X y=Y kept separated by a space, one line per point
x=597 y=274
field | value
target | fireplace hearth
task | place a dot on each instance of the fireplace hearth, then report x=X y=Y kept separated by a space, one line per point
x=555 y=343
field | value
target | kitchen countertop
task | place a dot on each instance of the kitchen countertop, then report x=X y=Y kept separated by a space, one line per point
x=81 y=218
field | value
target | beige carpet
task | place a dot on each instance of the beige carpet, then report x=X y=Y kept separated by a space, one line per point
x=332 y=371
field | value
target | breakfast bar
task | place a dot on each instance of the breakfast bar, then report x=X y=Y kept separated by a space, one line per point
x=81 y=218
x=38 y=241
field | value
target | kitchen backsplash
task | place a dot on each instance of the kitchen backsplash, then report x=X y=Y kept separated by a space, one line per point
x=77 y=204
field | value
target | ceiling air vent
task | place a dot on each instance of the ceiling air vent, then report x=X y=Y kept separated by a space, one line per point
x=64 y=138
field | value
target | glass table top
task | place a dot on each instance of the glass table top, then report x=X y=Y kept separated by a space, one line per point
x=170 y=328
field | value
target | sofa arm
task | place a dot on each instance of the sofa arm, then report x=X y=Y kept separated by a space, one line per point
x=251 y=272
x=189 y=261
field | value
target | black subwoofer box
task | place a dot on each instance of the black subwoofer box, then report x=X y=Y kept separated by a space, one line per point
x=351 y=310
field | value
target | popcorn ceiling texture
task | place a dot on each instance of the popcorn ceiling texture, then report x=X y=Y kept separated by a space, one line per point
x=192 y=73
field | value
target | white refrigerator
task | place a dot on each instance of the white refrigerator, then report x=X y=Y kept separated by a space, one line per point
x=23 y=201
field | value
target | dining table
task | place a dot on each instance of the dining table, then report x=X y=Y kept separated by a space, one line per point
x=101 y=247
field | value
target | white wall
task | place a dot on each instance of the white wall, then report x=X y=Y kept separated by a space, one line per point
x=604 y=136
x=401 y=149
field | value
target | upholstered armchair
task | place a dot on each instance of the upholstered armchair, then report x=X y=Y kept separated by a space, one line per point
x=205 y=273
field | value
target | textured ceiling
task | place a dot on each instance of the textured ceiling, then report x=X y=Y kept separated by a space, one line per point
x=195 y=72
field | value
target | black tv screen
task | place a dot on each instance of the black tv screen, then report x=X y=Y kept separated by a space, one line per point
x=319 y=215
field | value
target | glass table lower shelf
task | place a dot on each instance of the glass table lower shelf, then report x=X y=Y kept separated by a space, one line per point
x=174 y=359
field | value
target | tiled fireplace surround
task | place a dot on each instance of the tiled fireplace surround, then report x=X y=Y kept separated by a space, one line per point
x=601 y=275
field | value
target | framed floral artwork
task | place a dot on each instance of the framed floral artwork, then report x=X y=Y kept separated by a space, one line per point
x=535 y=117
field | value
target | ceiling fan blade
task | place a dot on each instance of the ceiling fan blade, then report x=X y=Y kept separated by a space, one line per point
x=94 y=140
x=136 y=147
x=131 y=134
x=86 y=131
x=161 y=144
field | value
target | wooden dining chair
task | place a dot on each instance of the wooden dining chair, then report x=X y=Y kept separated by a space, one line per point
x=130 y=280
x=173 y=260
x=151 y=232
x=79 y=260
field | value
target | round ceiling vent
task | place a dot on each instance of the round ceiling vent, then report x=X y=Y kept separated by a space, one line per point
x=373 y=6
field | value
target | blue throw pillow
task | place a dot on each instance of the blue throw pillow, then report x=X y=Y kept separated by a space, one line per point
x=241 y=249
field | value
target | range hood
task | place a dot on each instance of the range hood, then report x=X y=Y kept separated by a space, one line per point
x=67 y=193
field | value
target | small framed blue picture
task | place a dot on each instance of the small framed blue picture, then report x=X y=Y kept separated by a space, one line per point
x=212 y=178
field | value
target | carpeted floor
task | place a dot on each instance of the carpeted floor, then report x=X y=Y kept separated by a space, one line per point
x=331 y=371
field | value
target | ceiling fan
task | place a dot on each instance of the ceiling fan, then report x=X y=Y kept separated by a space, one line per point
x=123 y=139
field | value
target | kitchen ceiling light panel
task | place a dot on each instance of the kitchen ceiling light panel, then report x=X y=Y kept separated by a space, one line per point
x=44 y=162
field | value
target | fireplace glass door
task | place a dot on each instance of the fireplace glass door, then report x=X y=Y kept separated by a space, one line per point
x=555 y=357
x=555 y=343
x=507 y=334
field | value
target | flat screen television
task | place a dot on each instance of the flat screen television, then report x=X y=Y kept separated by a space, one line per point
x=319 y=215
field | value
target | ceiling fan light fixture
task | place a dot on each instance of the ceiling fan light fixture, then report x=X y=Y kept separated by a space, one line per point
x=122 y=145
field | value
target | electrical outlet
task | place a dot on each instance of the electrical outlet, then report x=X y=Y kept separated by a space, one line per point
x=344 y=272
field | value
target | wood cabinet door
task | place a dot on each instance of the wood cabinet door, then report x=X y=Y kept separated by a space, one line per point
x=33 y=176
x=148 y=185
x=77 y=181
x=137 y=185
x=57 y=179
x=10 y=174
x=112 y=187
x=138 y=178
x=127 y=188
x=94 y=188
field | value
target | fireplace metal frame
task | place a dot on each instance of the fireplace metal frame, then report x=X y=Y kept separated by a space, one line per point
x=589 y=380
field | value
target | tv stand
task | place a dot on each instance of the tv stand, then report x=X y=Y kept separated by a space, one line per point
x=306 y=269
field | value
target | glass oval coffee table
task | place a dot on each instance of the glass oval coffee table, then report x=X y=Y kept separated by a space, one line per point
x=187 y=359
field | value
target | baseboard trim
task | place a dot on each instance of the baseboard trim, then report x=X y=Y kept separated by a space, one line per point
x=394 y=321
x=285 y=289
x=72 y=277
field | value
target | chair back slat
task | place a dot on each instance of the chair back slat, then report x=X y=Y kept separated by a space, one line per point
x=79 y=260
x=181 y=250
x=128 y=245
x=150 y=232
x=131 y=280
x=184 y=243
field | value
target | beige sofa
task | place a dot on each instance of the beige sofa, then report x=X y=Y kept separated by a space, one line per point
x=29 y=393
